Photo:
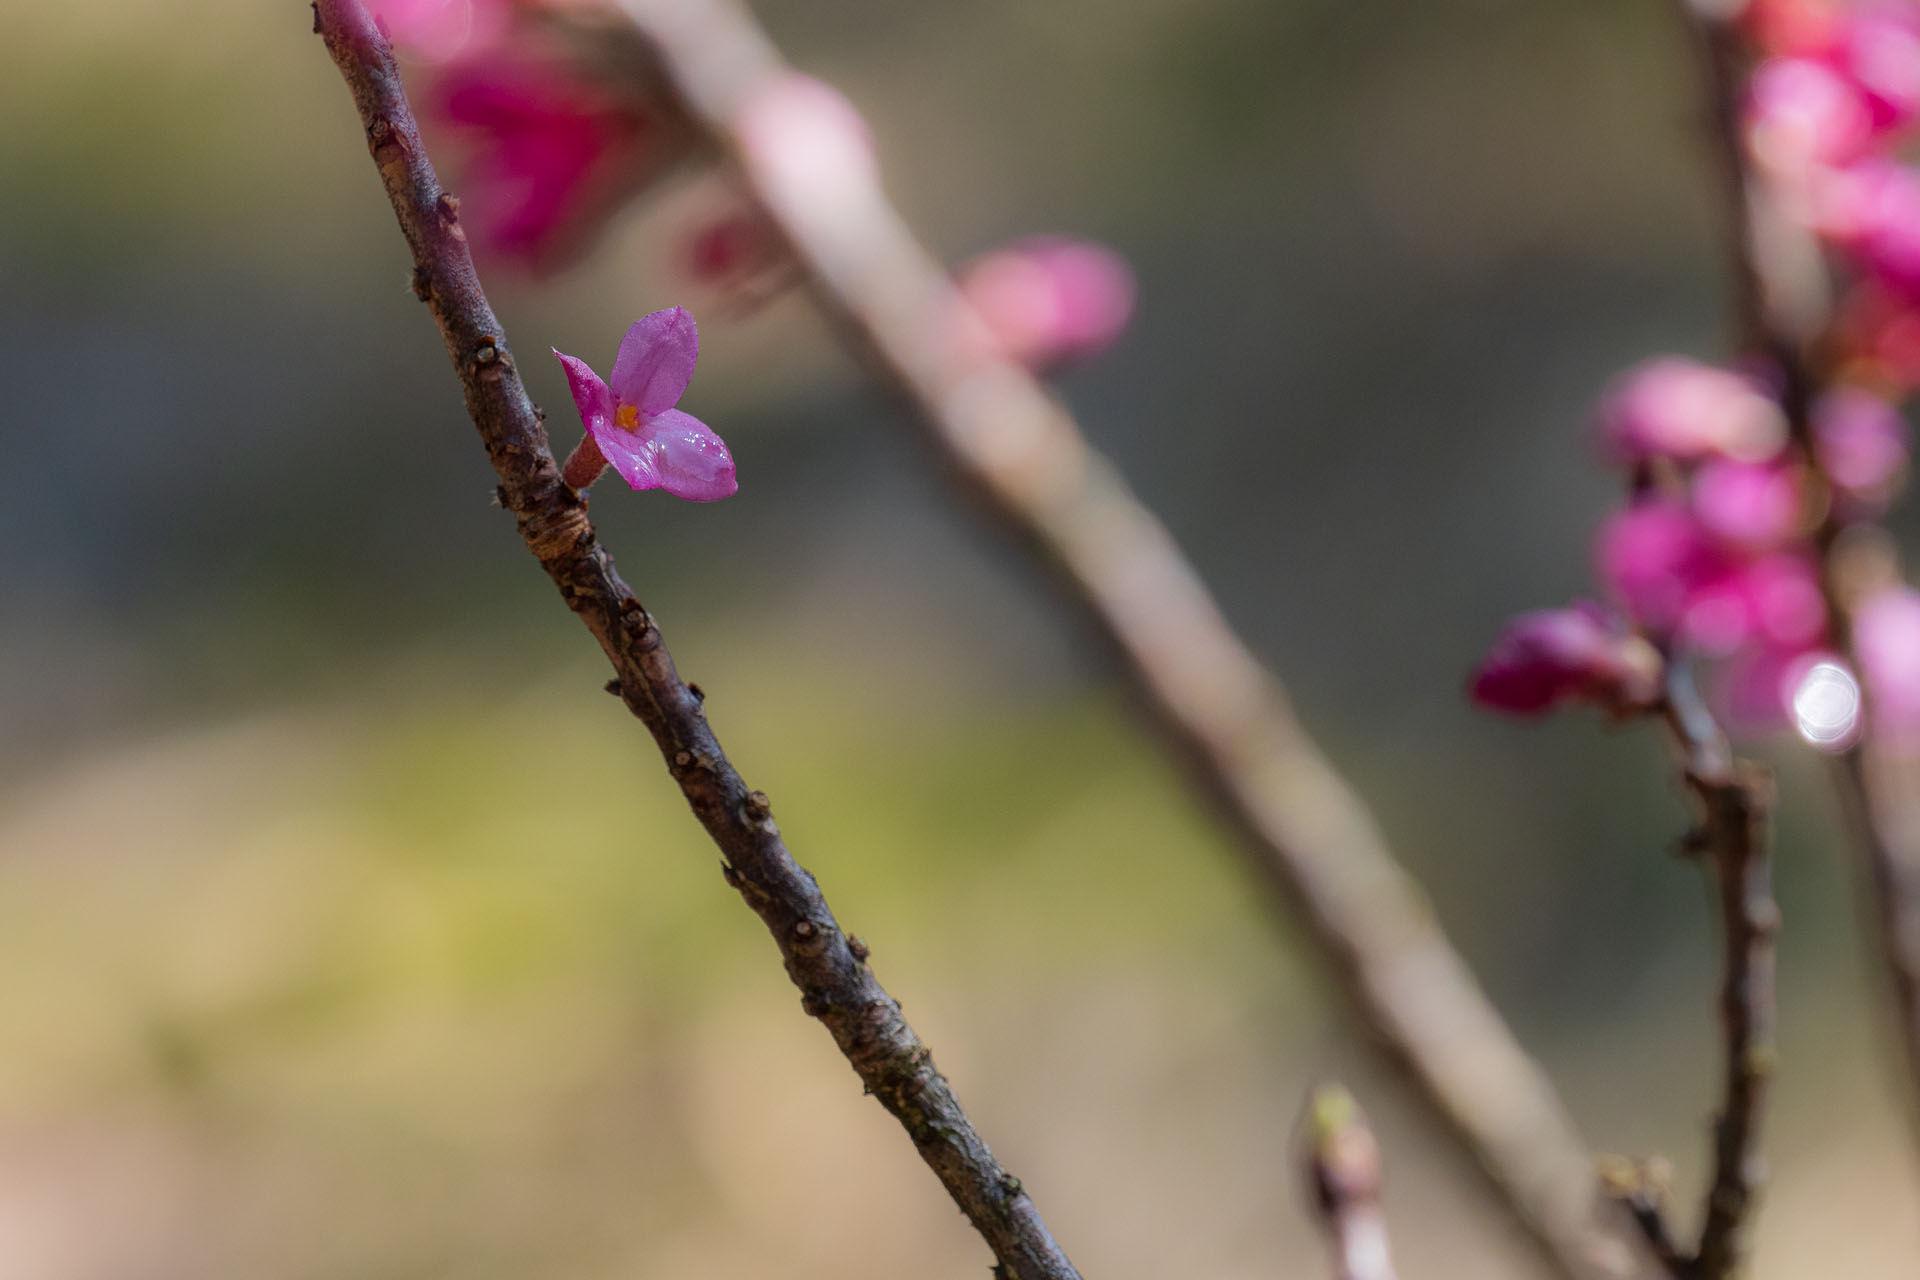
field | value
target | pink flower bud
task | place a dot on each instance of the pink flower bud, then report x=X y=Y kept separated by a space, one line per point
x=1746 y=506
x=1654 y=557
x=1873 y=212
x=1677 y=408
x=1049 y=300
x=1773 y=601
x=1803 y=115
x=1879 y=49
x=553 y=152
x=1577 y=654
x=1861 y=443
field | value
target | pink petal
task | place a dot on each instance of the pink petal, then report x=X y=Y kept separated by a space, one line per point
x=1860 y=439
x=692 y=462
x=655 y=362
x=631 y=454
x=590 y=395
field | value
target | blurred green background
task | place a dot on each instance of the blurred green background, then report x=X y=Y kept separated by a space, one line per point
x=348 y=931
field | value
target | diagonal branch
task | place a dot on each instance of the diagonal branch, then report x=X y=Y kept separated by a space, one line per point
x=829 y=967
x=1782 y=305
x=1306 y=837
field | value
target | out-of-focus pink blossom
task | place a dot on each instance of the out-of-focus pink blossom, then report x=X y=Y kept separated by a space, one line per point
x=1873 y=212
x=1772 y=602
x=439 y=29
x=631 y=420
x=1803 y=115
x=739 y=256
x=1886 y=635
x=1749 y=506
x=1653 y=557
x=552 y=154
x=1861 y=443
x=1677 y=408
x=1577 y=654
x=1879 y=49
x=1798 y=28
x=1050 y=300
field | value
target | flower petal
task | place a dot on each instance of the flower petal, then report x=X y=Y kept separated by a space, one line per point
x=590 y=395
x=691 y=461
x=656 y=360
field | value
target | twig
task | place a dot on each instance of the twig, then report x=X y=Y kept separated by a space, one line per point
x=1735 y=799
x=1306 y=836
x=827 y=966
x=1642 y=1186
x=1782 y=305
x=1343 y=1160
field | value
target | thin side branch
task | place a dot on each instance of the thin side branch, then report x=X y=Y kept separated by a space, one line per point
x=1306 y=836
x=1735 y=799
x=828 y=967
x=1782 y=303
x=1343 y=1160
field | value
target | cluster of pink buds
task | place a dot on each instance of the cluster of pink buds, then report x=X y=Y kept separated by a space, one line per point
x=563 y=126
x=1712 y=559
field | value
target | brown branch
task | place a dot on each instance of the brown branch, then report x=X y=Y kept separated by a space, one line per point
x=1781 y=300
x=828 y=967
x=1306 y=836
x=1735 y=803
x=1343 y=1160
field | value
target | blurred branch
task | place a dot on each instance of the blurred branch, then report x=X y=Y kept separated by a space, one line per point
x=830 y=968
x=1344 y=1161
x=1781 y=299
x=1306 y=836
x=1735 y=799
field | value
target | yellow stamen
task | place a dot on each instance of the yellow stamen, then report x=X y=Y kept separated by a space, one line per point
x=627 y=417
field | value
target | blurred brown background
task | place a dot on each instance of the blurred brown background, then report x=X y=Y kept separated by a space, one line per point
x=334 y=944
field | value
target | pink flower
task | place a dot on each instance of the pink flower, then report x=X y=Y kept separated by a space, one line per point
x=1873 y=212
x=1772 y=602
x=1654 y=557
x=1803 y=115
x=1748 y=506
x=1860 y=442
x=1879 y=48
x=1886 y=635
x=631 y=421
x=1677 y=408
x=438 y=29
x=1049 y=300
x=1578 y=654
x=553 y=156
x=739 y=256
